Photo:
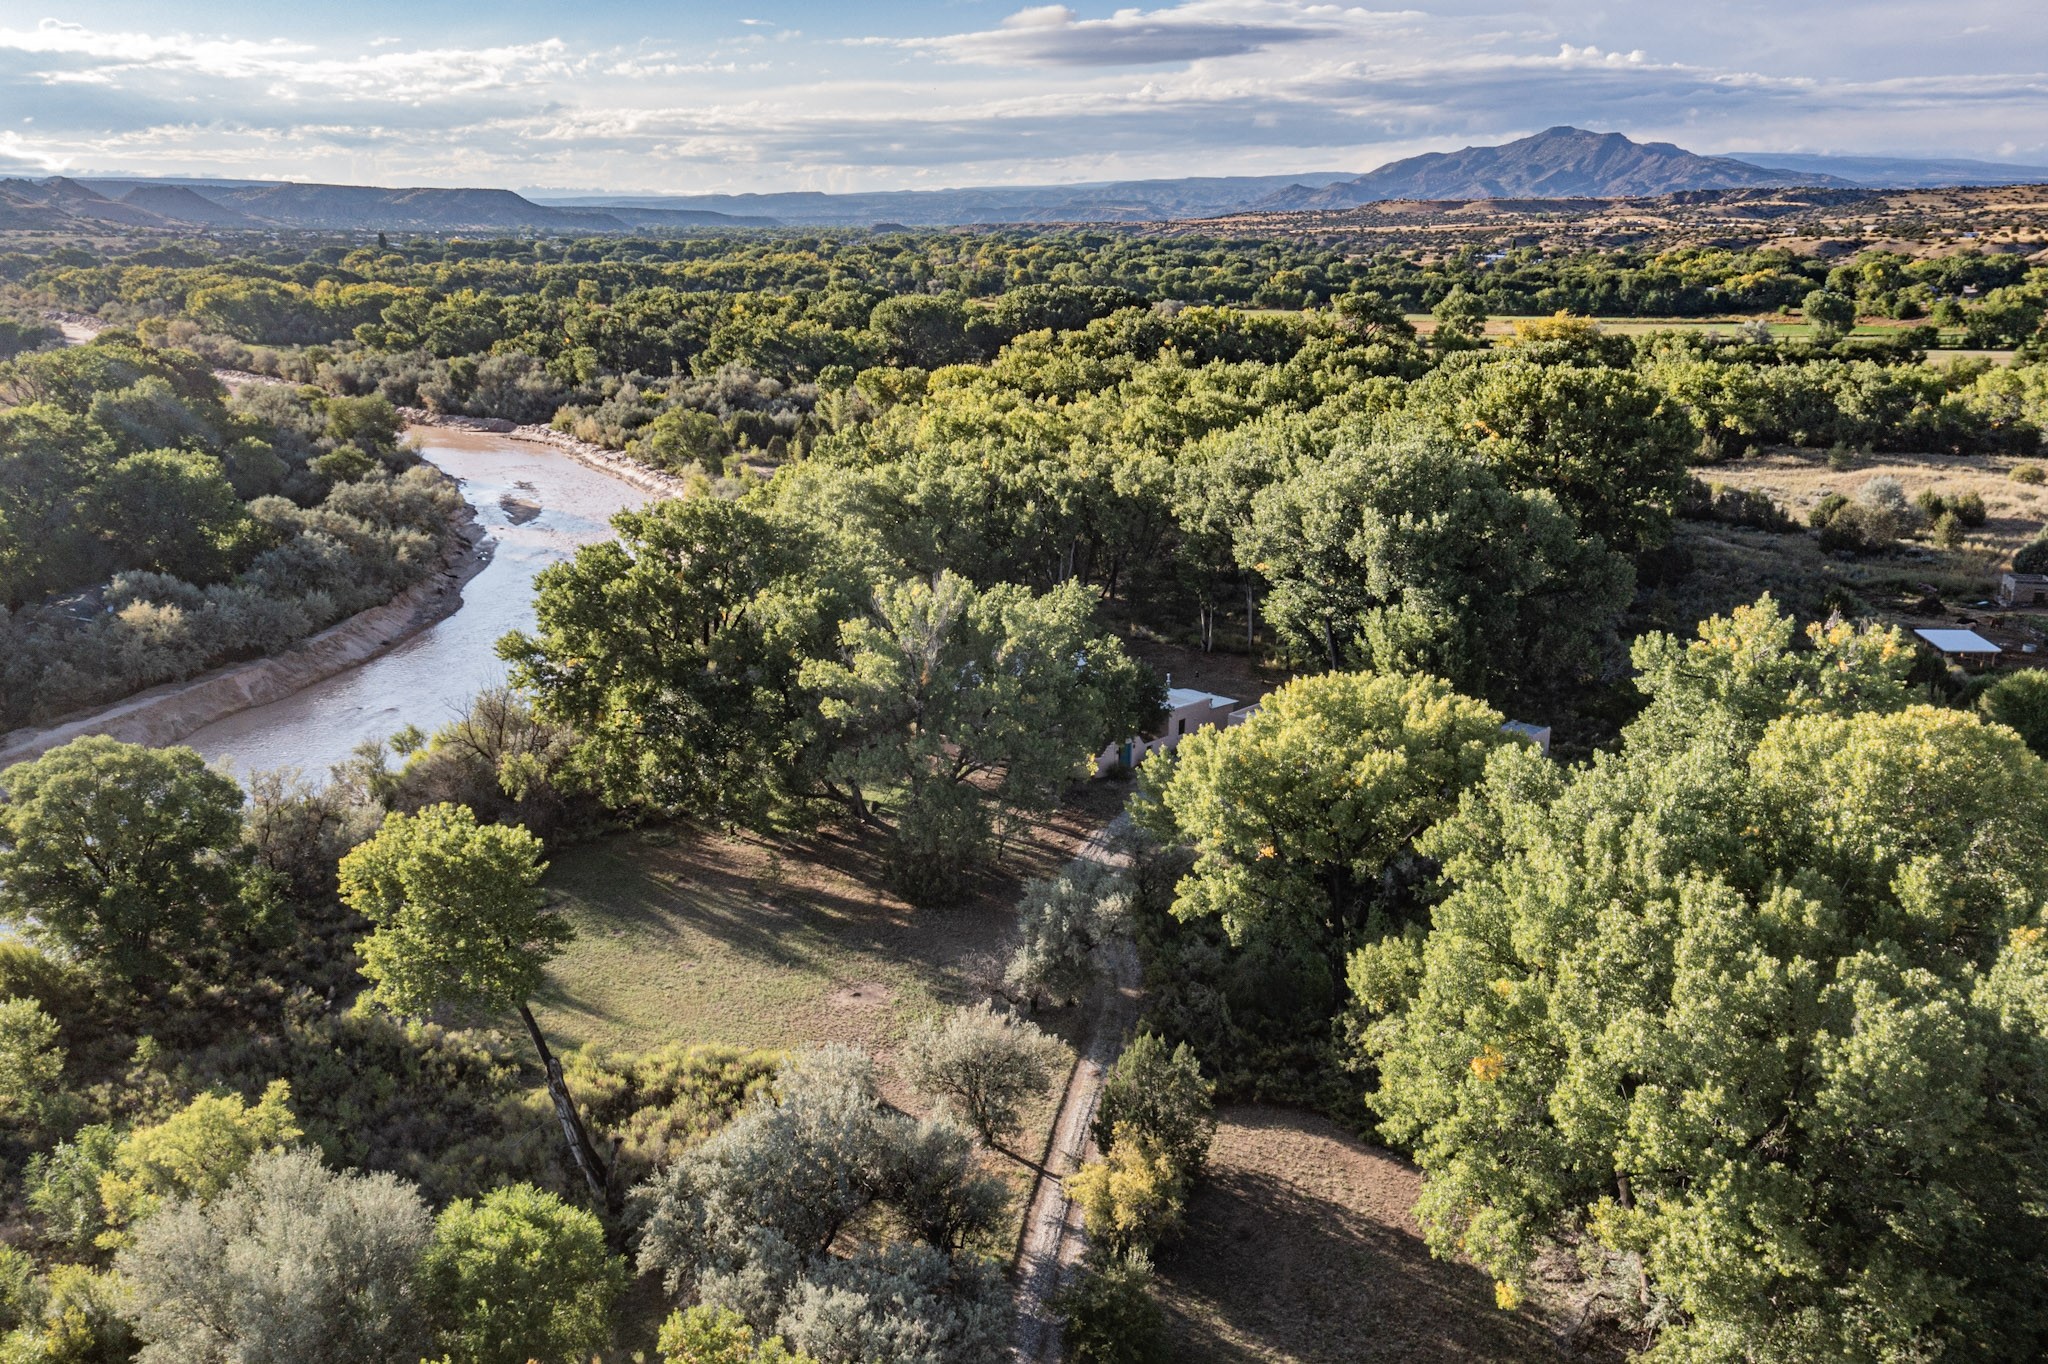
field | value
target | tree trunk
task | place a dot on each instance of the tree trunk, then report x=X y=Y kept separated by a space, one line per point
x=1251 y=620
x=587 y=1159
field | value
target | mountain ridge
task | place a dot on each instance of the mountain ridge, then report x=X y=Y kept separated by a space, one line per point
x=1558 y=163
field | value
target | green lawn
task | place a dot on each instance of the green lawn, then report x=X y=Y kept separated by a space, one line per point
x=725 y=939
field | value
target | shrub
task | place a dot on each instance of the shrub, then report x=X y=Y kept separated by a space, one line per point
x=291 y=1262
x=2020 y=702
x=1109 y=1316
x=1969 y=509
x=2028 y=473
x=1133 y=1198
x=63 y=1185
x=195 y=1152
x=1065 y=922
x=985 y=1064
x=71 y=1317
x=31 y=1062
x=1161 y=1097
x=716 y=1335
x=2032 y=557
x=520 y=1275
x=1947 y=530
x=26 y=973
x=747 y=1220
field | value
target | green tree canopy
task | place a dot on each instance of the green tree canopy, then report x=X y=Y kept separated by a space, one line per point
x=123 y=856
x=1416 y=557
x=520 y=1275
x=674 y=648
x=1610 y=447
x=1758 y=1001
x=457 y=916
x=972 y=702
x=459 y=920
x=1832 y=315
x=2019 y=701
x=1297 y=815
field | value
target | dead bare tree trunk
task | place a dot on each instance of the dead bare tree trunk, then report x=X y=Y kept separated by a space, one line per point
x=588 y=1160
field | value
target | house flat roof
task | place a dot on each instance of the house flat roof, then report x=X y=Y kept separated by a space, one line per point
x=1180 y=698
x=1959 y=641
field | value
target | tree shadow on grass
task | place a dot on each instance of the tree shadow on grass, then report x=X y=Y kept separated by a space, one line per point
x=1267 y=1271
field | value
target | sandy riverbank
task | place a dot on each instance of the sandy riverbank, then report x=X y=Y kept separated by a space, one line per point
x=165 y=714
x=628 y=471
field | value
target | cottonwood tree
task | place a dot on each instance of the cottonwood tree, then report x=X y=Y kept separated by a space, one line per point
x=1416 y=557
x=749 y=1220
x=519 y=1275
x=674 y=649
x=292 y=1261
x=1831 y=315
x=2019 y=701
x=973 y=703
x=1298 y=816
x=984 y=1064
x=124 y=857
x=1837 y=905
x=459 y=921
x=1610 y=447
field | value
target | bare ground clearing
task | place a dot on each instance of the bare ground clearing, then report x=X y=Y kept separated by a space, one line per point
x=1302 y=1248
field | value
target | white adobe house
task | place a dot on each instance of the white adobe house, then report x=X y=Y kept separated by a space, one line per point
x=1187 y=710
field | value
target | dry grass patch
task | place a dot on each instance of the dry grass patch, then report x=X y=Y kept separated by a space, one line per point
x=1799 y=479
x=1302 y=1248
x=693 y=936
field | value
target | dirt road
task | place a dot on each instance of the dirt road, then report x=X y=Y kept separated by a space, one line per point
x=1053 y=1235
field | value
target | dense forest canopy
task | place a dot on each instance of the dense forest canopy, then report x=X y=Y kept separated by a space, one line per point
x=941 y=496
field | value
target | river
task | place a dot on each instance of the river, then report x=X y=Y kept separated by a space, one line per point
x=538 y=505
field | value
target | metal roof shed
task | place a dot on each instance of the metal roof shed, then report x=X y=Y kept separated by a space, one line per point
x=1965 y=644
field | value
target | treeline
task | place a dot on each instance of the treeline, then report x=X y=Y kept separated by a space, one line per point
x=464 y=297
x=152 y=527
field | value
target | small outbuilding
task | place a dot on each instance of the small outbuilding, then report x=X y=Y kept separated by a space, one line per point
x=1538 y=735
x=1187 y=710
x=1966 y=647
x=2023 y=589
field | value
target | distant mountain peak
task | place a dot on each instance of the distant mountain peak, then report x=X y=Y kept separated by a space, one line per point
x=1558 y=163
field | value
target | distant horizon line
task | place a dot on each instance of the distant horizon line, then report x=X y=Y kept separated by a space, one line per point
x=1328 y=176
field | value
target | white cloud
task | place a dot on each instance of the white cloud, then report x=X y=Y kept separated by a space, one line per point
x=1200 y=30
x=1047 y=93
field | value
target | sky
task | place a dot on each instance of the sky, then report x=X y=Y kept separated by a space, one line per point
x=760 y=95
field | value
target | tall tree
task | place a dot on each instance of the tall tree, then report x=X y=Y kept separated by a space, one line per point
x=459 y=920
x=1611 y=448
x=674 y=648
x=972 y=703
x=125 y=857
x=1298 y=816
x=1416 y=557
x=1758 y=1006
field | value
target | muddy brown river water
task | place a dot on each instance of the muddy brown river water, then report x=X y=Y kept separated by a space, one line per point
x=538 y=505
